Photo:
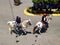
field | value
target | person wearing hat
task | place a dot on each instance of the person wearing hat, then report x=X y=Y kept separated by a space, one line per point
x=44 y=20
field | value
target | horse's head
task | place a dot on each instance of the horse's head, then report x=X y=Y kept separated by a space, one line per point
x=26 y=23
x=29 y=22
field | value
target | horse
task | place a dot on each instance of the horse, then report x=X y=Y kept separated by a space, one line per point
x=40 y=25
x=24 y=25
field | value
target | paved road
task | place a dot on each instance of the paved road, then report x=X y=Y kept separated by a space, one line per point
x=51 y=37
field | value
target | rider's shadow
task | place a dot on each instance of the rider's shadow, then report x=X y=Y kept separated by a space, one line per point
x=19 y=32
x=27 y=32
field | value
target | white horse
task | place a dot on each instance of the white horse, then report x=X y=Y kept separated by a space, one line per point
x=39 y=25
x=24 y=24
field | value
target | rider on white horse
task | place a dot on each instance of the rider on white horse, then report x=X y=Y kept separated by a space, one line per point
x=41 y=24
x=18 y=22
x=45 y=20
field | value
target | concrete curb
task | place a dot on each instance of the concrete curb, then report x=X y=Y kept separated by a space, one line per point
x=30 y=14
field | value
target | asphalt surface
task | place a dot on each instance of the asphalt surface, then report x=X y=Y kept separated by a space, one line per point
x=51 y=37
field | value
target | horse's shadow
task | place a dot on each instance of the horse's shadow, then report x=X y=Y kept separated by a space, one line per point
x=21 y=32
x=27 y=32
x=43 y=30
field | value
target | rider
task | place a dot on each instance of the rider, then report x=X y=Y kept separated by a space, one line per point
x=18 y=22
x=44 y=20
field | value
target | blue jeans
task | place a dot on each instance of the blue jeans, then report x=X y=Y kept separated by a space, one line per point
x=19 y=26
x=46 y=24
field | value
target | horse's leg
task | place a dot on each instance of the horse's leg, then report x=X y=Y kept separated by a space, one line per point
x=11 y=32
x=24 y=29
x=9 y=26
x=10 y=29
